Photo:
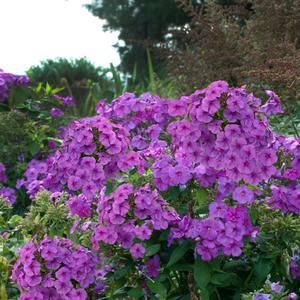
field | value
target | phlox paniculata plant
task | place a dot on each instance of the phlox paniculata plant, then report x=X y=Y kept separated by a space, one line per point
x=56 y=269
x=121 y=167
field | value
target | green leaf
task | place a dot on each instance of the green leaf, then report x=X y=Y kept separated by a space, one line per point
x=172 y=193
x=151 y=74
x=157 y=287
x=223 y=279
x=109 y=187
x=253 y=214
x=262 y=268
x=200 y=196
x=181 y=267
x=153 y=249
x=39 y=87
x=205 y=294
x=3 y=292
x=202 y=273
x=48 y=88
x=34 y=148
x=120 y=273
x=136 y=292
x=178 y=253
x=117 y=81
x=56 y=90
x=235 y=265
x=14 y=220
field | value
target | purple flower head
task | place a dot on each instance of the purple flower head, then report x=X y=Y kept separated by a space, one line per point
x=137 y=251
x=243 y=195
x=8 y=194
x=276 y=287
x=52 y=144
x=63 y=274
x=207 y=250
x=261 y=296
x=291 y=296
x=56 y=112
x=176 y=108
x=273 y=105
x=66 y=270
x=152 y=266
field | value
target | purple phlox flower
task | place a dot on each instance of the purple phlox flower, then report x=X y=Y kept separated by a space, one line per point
x=261 y=296
x=243 y=195
x=152 y=266
x=276 y=287
x=56 y=112
x=137 y=251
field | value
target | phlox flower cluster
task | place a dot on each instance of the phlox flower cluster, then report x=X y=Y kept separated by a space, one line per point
x=239 y=144
x=217 y=137
x=131 y=214
x=7 y=193
x=55 y=269
x=93 y=150
x=217 y=129
x=285 y=192
x=7 y=80
x=222 y=232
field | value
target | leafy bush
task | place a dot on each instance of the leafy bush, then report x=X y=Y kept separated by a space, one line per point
x=79 y=79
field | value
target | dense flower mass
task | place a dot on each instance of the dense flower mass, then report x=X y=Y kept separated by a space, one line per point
x=222 y=232
x=286 y=197
x=130 y=214
x=217 y=129
x=147 y=176
x=218 y=137
x=7 y=80
x=94 y=149
x=55 y=269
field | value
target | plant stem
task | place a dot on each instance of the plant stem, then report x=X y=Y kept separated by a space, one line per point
x=192 y=287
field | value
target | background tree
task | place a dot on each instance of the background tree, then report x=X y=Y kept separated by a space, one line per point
x=255 y=42
x=79 y=78
x=138 y=20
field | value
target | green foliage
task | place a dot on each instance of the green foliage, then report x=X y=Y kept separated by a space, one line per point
x=10 y=240
x=289 y=122
x=178 y=253
x=55 y=71
x=46 y=216
x=78 y=78
x=15 y=138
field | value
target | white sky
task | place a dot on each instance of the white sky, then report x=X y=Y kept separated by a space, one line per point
x=35 y=30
